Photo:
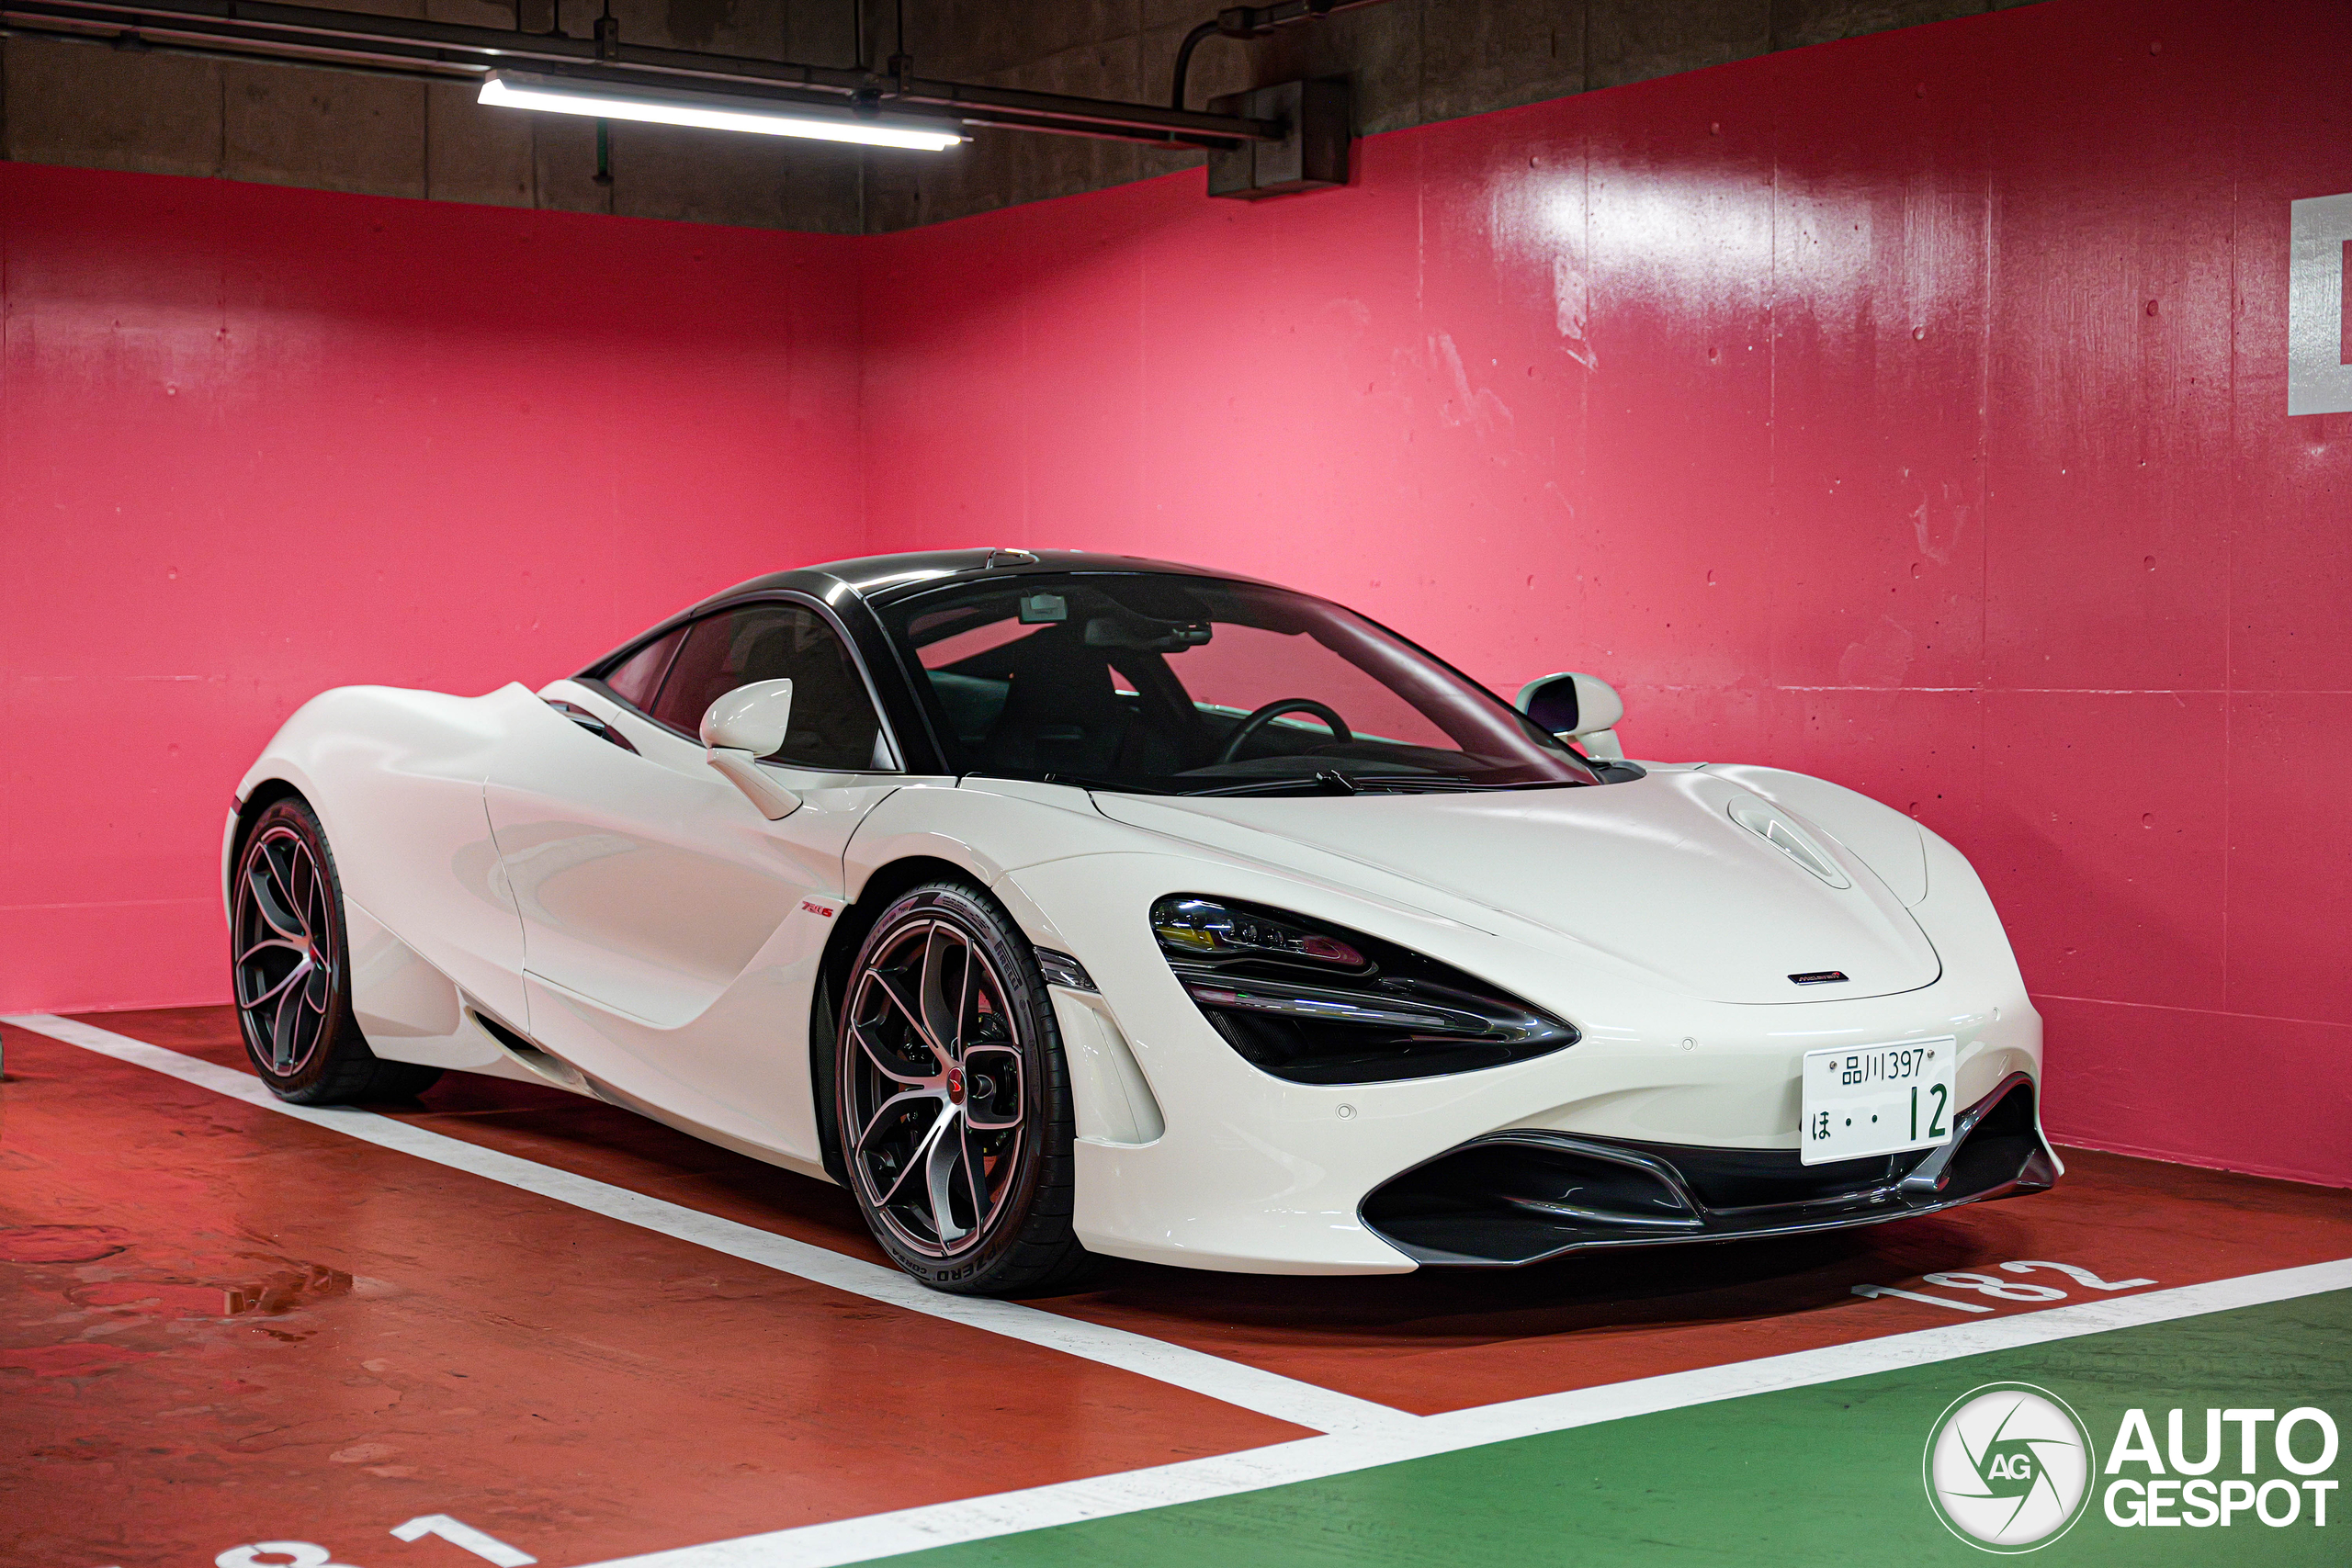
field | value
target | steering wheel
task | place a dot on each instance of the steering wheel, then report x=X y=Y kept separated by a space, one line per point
x=1257 y=720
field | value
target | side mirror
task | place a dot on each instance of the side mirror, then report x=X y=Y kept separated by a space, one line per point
x=744 y=725
x=1583 y=709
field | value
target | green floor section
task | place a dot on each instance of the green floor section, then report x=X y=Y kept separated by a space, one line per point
x=1818 y=1476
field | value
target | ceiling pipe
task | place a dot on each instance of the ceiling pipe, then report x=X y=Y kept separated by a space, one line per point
x=129 y=41
x=1247 y=22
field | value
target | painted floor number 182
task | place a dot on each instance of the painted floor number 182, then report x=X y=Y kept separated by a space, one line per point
x=2002 y=1289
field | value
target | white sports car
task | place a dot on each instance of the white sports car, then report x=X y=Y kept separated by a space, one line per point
x=1062 y=904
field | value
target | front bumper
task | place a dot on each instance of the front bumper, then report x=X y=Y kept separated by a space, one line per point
x=1526 y=1194
x=1211 y=1163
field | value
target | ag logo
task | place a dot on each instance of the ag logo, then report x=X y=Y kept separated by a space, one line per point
x=2008 y=1467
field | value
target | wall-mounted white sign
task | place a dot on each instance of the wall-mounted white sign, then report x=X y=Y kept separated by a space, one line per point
x=2318 y=379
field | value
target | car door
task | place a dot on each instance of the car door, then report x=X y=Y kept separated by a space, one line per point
x=671 y=930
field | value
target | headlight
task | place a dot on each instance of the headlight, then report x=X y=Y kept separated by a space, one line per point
x=1317 y=1004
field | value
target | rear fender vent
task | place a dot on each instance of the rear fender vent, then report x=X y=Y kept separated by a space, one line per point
x=556 y=1070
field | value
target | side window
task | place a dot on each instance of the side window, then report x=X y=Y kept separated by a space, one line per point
x=633 y=680
x=833 y=724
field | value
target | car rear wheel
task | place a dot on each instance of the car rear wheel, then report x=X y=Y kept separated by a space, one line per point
x=952 y=1099
x=290 y=967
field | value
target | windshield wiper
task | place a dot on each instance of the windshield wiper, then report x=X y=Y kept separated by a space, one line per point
x=1074 y=781
x=1327 y=782
x=1377 y=783
x=1324 y=783
x=1407 y=785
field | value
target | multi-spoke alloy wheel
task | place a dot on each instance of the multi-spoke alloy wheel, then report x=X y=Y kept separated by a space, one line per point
x=287 y=964
x=954 y=1115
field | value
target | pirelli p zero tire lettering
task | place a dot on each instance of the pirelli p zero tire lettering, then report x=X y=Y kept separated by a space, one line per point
x=953 y=1100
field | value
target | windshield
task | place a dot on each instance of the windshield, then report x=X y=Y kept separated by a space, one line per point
x=1166 y=685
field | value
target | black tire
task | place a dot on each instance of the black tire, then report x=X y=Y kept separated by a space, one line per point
x=943 y=1000
x=290 y=968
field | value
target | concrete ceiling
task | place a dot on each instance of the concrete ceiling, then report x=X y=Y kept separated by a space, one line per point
x=1410 y=61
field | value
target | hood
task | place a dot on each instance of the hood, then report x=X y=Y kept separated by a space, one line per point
x=1655 y=873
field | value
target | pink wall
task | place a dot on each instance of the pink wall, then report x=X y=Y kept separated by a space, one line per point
x=1910 y=410
x=257 y=442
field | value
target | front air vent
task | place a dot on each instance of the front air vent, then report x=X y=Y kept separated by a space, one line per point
x=1524 y=1194
x=1772 y=825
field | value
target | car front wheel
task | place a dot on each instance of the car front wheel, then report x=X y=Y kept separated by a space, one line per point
x=290 y=966
x=954 y=1105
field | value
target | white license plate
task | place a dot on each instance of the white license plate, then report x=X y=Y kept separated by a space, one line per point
x=1877 y=1099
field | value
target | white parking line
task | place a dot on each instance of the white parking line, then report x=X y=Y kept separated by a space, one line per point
x=1225 y=1475
x=1269 y=1393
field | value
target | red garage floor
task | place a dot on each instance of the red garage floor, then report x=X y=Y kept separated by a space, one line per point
x=223 y=1326
x=423 y=1341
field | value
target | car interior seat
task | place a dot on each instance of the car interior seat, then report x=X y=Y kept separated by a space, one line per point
x=1061 y=713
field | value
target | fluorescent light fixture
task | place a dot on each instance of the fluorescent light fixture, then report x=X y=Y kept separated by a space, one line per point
x=558 y=94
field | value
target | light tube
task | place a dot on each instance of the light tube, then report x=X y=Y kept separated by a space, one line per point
x=557 y=95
